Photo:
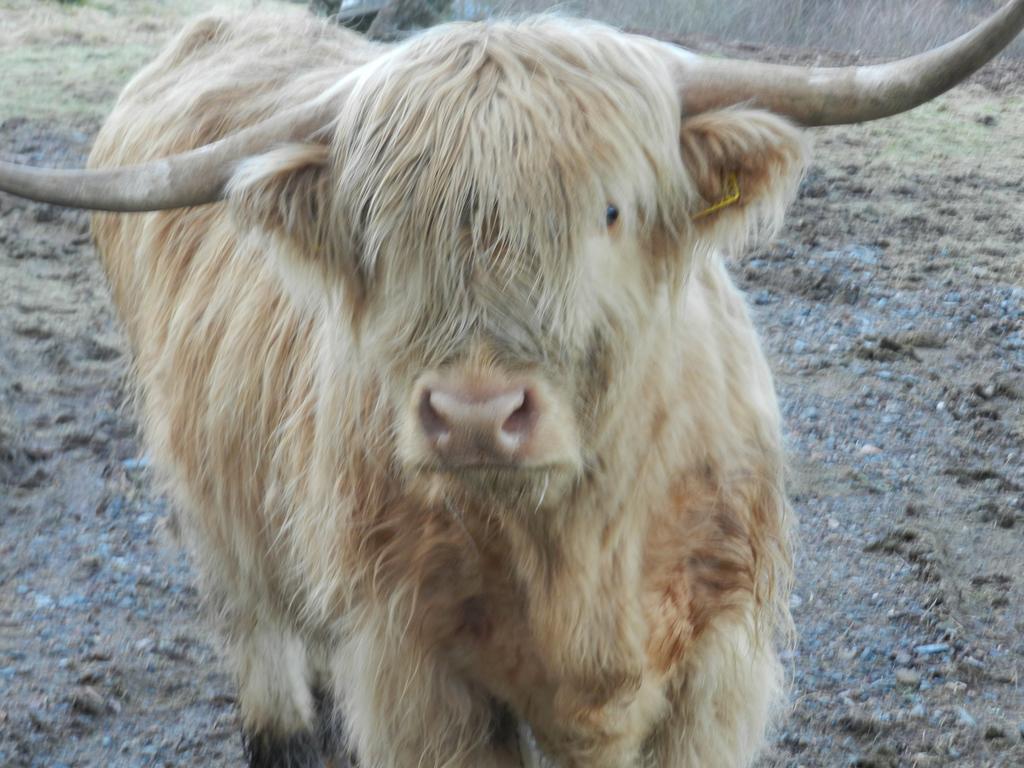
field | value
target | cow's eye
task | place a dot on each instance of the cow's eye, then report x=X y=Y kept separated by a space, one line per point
x=611 y=215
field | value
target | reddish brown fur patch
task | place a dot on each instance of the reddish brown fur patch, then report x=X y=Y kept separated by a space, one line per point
x=699 y=564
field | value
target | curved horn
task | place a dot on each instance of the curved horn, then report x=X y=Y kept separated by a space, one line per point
x=813 y=96
x=190 y=178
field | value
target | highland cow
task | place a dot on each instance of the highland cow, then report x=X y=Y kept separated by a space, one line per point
x=472 y=438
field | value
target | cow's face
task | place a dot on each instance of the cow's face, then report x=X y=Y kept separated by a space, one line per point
x=510 y=211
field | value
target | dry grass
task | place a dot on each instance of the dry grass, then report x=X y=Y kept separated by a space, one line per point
x=69 y=61
x=873 y=27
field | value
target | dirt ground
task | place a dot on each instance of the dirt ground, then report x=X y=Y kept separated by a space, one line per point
x=892 y=308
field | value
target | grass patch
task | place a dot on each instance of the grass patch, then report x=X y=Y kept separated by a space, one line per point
x=954 y=128
x=80 y=83
x=874 y=27
x=69 y=61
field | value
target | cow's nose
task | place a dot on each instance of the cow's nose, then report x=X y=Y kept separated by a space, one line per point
x=468 y=426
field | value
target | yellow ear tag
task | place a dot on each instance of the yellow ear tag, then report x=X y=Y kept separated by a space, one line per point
x=732 y=189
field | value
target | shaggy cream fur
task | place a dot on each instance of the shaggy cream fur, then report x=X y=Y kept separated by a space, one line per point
x=620 y=604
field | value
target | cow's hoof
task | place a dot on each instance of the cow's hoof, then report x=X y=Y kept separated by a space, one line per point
x=299 y=750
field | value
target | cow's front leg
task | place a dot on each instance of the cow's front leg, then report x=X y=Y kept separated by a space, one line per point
x=280 y=721
x=721 y=703
x=405 y=706
x=577 y=733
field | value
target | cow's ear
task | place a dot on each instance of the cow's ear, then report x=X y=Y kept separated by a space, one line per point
x=746 y=165
x=286 y=195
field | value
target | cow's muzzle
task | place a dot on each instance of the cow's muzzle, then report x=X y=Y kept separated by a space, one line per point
x=465 y=421
x=470 y=425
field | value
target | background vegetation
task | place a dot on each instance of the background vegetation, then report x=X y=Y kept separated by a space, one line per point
x=883 y=27
x=69 y=59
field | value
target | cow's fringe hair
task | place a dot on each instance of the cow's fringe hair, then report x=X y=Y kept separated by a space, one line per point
x=484 y=195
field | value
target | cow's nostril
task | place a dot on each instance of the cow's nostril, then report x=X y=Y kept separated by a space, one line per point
x=434 y=424
x=520 y=421
x=475 y=425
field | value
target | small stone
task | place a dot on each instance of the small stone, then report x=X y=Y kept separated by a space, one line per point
x=794 y=740
x=882 y=756
x=964 y=718
x=90 y=676
x=87 y=700
x=33 y=329
x=909 y=677
x=869 y=450
x=132 y=464
x=988 y=511
x=985 y=391
x=38 y=720
x=857 y=720
x=930 y=649
x=995 y=731
x=169 y=650
x=90 y=564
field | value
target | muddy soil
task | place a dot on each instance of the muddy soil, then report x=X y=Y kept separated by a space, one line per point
x=892 y=308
